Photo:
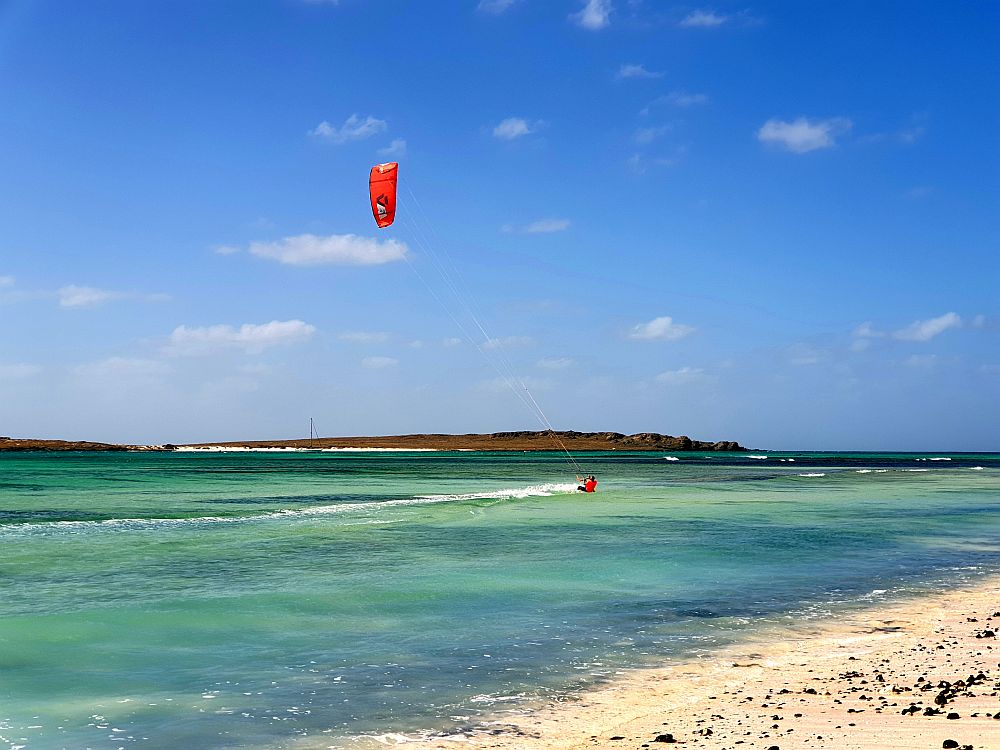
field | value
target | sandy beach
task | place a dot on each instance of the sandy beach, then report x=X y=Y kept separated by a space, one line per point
x=919 y=674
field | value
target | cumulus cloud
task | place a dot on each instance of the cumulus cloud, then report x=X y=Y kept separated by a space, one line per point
x=556 y=363
x=681 y=376
x=515 y=127
x=334 y=249
x=628 y=70
x=594 y=15
x=396 y=148
x=703 y=19
x=541 y=226
x=379 y=363
x=925 y=330
x=495 y=7
x=507 y=342
x=803 y=135
x=354 y=129
x=663 y=328
x=249 y=337
x=18 y=370
x=364 y=337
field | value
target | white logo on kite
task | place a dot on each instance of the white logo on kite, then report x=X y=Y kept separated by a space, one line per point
x=383 y=209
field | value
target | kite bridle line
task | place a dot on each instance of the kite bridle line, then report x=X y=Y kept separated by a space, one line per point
x=452 y=278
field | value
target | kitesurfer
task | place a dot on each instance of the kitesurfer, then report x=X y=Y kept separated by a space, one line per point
x=589 y=484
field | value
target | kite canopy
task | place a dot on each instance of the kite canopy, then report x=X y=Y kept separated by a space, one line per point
x=382 y=187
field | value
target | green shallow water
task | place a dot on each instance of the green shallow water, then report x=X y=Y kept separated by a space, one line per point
x=314 y=600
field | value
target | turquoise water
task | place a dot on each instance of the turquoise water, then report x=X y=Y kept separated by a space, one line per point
x=315 y=600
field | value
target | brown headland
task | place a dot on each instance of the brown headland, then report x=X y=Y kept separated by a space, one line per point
x=495 y=441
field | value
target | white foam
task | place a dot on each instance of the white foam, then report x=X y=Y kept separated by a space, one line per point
x=977 y=468
x=937 y=458
x=757 y=457
x=863 y=471
x=814 y=474
x=671 y=458
x=916 y=469
x=139 y=524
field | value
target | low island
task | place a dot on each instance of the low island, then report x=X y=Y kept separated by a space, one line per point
x=495 y=441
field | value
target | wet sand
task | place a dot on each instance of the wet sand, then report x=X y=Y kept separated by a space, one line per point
x=921 y=674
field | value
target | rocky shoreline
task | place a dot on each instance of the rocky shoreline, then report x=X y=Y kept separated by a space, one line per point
x=496 y=441
x=912 y=675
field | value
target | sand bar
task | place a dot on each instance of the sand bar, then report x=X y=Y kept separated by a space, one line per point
x=894 y=676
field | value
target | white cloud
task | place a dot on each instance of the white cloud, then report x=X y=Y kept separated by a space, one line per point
x=353 y=129
x=685 y=99
x=452 y=341
x=416 y=344
x=925 y=330
x=249 y=337
x=335 y=249
x=802 y=135
x=85 y=296
x=515 y=127
x=507 y=342
x=364 y=337
x=396 y=148
x=648 y=135
x=556 y=363
x=640 y=164
x=703 y=19
x=495 y=6
x=867 y=331
x=637 y=71
x=379 y=363
x=681 y=376
x=225 y=250
x=18 y=370
x=6 y=281
x=88 y=296
x=541 y=226
x=594 y=15
x=662 y=328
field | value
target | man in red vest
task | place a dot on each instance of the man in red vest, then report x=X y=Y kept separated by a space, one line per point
x=589 y=484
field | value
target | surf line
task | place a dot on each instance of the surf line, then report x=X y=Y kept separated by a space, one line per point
x=422 y=232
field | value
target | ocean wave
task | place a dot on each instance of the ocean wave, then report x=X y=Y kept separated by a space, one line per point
x=761 y=458
x=671 y=458
x=141 y=524
x=813 y=474
x=936 y=458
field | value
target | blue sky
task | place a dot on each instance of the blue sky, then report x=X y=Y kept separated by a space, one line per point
x=771 y=222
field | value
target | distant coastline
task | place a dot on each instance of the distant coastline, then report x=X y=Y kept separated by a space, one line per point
x=495 y=441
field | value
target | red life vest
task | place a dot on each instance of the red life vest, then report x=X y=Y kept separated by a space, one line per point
x=590 y=485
